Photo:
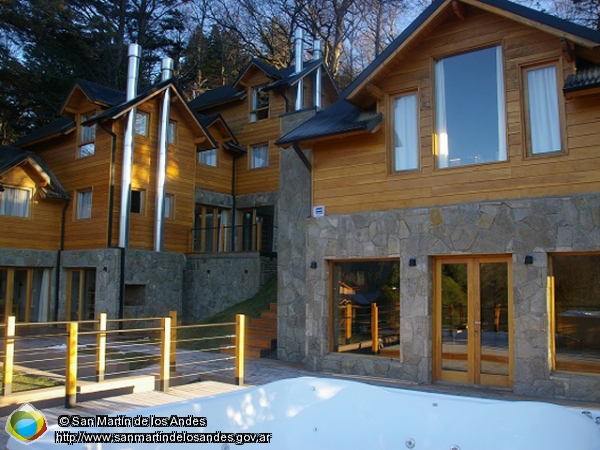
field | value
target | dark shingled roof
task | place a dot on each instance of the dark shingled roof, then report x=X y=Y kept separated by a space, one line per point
x=587 y=78
x=60 y=126
x=216 y=96
x=97 y=93
x=11 y=157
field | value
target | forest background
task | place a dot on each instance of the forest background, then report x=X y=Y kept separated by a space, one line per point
x=45 y=45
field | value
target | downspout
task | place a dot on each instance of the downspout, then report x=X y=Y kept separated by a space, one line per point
x=111 y=193
x=167 y=72
x=58 y=259
x=132 y=80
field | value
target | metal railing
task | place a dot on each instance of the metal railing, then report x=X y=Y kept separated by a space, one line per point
x=95 y=351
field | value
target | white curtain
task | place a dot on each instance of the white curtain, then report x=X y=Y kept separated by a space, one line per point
x=441 y=128
x=544 y=120
x=406 y=151
x=15 y=202
x=260 y=156
x=84 y=204
x=501 y=109
x=208 y=157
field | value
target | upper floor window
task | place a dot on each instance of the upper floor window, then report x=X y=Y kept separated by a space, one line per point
x=259 y=156
x=169 y=203
x=171 y=132
x=15 y=202
x=136 y=205
x=84 y=204
x=208 y=157
x=260 y=104
x=470 y=122
x=87 y=136
x=141 y=123
x=542 y=110
x=406 y=132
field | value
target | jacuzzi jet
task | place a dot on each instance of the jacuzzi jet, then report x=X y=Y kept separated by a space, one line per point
x=410 y=443
x=225 y=447
x=455 y=447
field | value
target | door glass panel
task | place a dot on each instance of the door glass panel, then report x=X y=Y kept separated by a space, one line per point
x=73 y=313
x=210 y=230
x=455 y=295
x=19 y=302
x=493 y=279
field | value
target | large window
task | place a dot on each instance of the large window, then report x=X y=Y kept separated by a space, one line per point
x=470 y=114
x=84 y=204
x=260 y=104
x=87 y=136
x=542 y=111
x=259 y=156
x=15 y=202
x=576 y=312
x=366 y=307
x=212 y=230
x=406 y=132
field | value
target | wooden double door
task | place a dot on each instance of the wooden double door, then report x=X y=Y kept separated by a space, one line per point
x=473 y=321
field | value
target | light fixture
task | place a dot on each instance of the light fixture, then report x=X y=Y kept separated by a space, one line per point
x=313 y=264
x=528 y=259
x=412 y=262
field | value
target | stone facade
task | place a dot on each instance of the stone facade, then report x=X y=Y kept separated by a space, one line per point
x=518 y=228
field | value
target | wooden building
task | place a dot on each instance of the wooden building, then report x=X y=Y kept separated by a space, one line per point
x=457 y=182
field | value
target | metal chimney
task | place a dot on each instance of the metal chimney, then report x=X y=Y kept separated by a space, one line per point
x=317 y=54
x=299 y=66
x=163 y=145
x=132 y=81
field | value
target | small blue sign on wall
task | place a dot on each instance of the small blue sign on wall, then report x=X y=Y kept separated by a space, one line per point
x=319 y=211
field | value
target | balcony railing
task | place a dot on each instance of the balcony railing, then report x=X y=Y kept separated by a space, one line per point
x=227 y=238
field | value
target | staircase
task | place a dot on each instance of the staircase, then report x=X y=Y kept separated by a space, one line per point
x=261 y=334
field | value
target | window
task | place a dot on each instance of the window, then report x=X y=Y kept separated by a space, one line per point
x=576 y=312
x=171 y=132
x=542 y=111
x=470 y=121
x=141 y=123
x=15 y=202
x=84 y=204
x=260 y=104
x=136 y=205
x=208 y=157
x=169 y=202
x=212 y=229
x=366 y=307
x=259 y=156
x=87 y=136
x=406 y=140
x=81 y=294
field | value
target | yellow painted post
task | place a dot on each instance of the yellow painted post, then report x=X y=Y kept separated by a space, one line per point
x=71 y=366
x=348 y=322
x=173 y=358
x=101 y=348
x=9 y=355
x=240 y=333
x=374 y=328
x=165 y=354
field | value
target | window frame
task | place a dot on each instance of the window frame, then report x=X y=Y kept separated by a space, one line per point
x=77 y=205
x=30 y=195
x=200 y=152
x=391 y=100
x=146 y=133
x=251 y=156
x=172 y=132
x=258 y=110
x=501 y=117
x=171 y=201
x=525 y=110
x=80 y=135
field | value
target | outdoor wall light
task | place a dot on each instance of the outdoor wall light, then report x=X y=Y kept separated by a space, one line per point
x=208 y=272
x=246 y=271
x=528 y=259
x=313 y=264
x=105 y=269
x=412 y=262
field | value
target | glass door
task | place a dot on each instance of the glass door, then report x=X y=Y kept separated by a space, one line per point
x=472 y=321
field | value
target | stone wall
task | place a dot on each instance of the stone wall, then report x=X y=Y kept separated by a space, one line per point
x=522 y=227
x=216 y=281
x=294 y=209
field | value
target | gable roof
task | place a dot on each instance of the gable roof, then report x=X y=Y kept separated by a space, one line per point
x=11 y=157
x=58 y=127
x=95 y=93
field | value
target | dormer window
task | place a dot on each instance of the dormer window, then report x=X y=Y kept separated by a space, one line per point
x=260 y=104
x=87 y=136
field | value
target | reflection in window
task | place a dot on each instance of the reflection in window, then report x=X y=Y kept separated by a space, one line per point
x=366 y=307
x=141 y=123
x=260 y=104
x=212 y=229
x=87 y=146
x=469 y=106
x=577 y=312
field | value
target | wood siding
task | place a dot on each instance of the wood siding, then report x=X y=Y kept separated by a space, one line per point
x=354 y=174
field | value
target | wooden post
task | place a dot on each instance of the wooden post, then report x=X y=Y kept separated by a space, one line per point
x=240 y=333
x=259 y=236
x=71 y=366
x=348 y=322
x=173 y=358
x=9 y=355
x=374 y=328
x=101 y=348
x=165 y=354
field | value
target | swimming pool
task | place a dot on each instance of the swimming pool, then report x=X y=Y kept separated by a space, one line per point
x=320 y=413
